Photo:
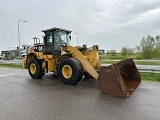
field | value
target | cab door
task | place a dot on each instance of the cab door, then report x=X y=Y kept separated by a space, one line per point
x=51 y=43
x=57 y=44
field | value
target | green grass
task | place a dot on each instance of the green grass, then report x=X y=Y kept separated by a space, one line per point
x=111 y=57
x=150 y=76
x=120 y=57
x=11 y=65
x=147 y=62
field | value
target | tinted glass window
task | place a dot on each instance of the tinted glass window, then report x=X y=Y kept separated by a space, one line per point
x=49 y=38
x=64 y=37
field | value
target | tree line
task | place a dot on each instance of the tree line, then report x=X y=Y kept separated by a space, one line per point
x=148 y=48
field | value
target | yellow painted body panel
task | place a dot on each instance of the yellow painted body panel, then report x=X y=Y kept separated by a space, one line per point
x=39 y=55
x=93 y=57
x=24 y=62
x=51 y=64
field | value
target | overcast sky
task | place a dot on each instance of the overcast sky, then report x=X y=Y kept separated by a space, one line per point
x=111 y=24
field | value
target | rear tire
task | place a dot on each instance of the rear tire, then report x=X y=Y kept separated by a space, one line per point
x=70 y=71
x=35 y=69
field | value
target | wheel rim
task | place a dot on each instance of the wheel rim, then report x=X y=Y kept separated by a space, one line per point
x=67 y=71
x=33 y=68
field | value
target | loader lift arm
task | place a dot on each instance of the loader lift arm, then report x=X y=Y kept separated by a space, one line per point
x=85 y=63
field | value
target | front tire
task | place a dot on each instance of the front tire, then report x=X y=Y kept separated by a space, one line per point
x=35 y=69
x=70 y=71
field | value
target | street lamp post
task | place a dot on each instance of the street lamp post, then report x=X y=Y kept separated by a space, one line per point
x=77 y=38
x=19 y=37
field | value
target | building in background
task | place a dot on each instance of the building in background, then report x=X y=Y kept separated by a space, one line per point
x=13 y=54
x=24 y=50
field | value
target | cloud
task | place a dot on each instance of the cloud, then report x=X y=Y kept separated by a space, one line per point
x=111 y=24
x=118 y=21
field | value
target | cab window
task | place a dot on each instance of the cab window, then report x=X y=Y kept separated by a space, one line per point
x=49 y=38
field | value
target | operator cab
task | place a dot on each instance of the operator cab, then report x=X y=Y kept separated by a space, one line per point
x=54 y=38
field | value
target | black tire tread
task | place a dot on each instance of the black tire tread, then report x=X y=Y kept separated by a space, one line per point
x=78 y=68
x=39 y=73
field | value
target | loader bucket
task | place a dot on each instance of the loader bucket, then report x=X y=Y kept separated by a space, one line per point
x=119 y=79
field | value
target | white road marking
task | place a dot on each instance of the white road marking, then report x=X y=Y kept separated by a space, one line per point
x=7 y=75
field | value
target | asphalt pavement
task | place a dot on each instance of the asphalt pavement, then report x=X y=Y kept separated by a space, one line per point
x=23 y=98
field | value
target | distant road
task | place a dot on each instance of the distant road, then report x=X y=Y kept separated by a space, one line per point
x=141 y=68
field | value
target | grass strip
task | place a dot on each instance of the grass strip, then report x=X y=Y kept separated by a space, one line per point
x=155 y=77
x=11 y=65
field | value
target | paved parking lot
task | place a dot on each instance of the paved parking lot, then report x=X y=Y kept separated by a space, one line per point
x=22 y=98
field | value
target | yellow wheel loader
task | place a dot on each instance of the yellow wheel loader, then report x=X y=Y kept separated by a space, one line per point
x=71 y=63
